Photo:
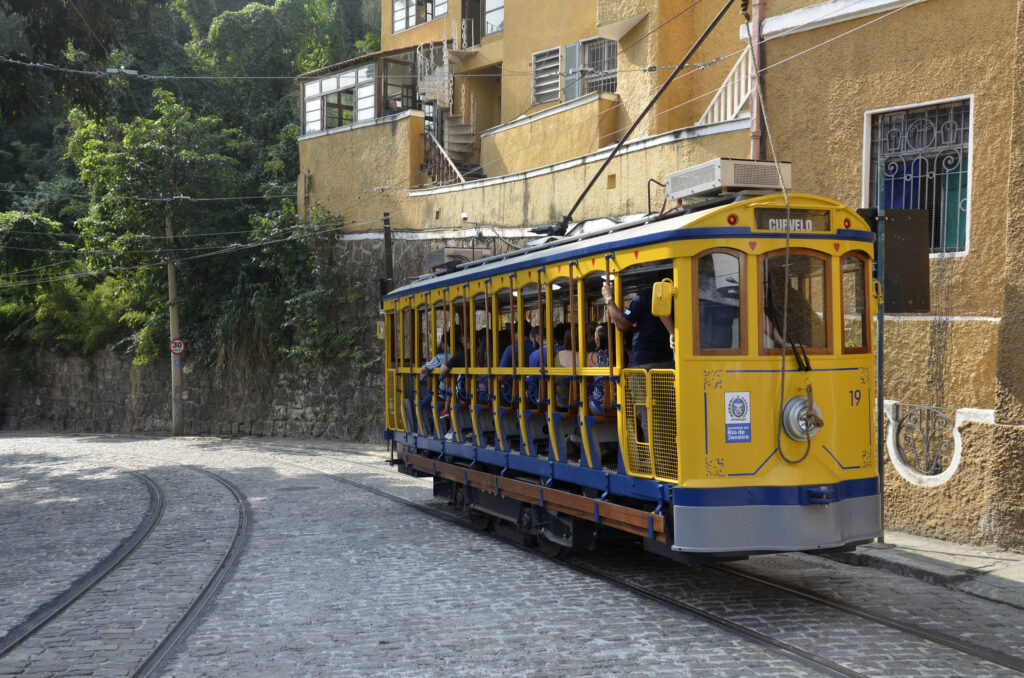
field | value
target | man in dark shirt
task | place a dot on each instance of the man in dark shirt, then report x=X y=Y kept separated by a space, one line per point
x=652 y=347
x=652 y=340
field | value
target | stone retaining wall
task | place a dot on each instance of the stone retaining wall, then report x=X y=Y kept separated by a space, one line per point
x=105 y=393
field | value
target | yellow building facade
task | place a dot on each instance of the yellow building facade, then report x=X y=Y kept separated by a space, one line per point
x=508 y=108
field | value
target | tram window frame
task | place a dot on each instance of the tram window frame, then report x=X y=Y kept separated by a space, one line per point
x=389 y=344
x=629 y=282
x=865 y=346
x=594 y=307
x=426 y=335
x=504 y=318
x=827 y=315
x=742 y=262
x=408 y=340
x=482 y=355
x=560 y=306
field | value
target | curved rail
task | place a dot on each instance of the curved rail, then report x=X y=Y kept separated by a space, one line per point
x=213 y=584
x=48 y=611
x=978 y=651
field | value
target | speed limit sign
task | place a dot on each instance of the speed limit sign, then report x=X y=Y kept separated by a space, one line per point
x=177 y=346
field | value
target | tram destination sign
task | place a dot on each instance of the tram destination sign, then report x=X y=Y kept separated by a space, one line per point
x=797 y=221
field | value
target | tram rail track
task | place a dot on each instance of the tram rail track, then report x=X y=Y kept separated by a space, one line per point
x=78 y=588
x=981 y=652
x=120 y=555
x=213 y=584
x=805 y=657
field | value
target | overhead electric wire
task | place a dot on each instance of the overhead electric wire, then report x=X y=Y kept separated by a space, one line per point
x=235 y=247
x=228 y=249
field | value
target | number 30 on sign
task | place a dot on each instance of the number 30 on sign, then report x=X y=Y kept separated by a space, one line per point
x=177 y=346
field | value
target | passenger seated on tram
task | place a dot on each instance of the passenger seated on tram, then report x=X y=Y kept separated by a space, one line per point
x=509 y=358
x=440 y=358
x=566 y=356
x=591 y=328
x=604 y=345
x=458 y=356
x=536 y=358
x=483 y=359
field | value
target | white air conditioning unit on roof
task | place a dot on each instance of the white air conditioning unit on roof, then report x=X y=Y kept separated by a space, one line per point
x=728 y=174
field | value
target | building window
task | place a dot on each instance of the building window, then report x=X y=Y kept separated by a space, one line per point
x=599 y=65
x=408 y=13
x=590 y=66
x=546 y=65
x=920 y=159
x=339 y=100
x=494 y=16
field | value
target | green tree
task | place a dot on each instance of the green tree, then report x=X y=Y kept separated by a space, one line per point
x=153 y=176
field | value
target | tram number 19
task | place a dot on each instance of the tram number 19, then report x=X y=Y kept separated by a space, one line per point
x=855 y=398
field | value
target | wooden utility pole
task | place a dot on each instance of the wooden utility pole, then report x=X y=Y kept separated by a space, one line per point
x=177 y=406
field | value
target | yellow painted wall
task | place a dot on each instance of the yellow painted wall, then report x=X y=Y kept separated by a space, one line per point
x=689 y=95
x=570 y=133
x=347 y=166
x=532 y=26
x=350 y=166
x=816 y=105
x=961 y=353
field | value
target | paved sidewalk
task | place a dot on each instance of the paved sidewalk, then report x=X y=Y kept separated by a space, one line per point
x=986 y=573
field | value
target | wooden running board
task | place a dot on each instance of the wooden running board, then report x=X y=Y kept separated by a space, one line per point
x=631 y=520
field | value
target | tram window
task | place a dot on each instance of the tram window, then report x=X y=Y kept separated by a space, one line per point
x=854 y=295
x=718 y=284
x=806 y=317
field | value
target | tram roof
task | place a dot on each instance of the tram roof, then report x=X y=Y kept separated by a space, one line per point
x=645 y=231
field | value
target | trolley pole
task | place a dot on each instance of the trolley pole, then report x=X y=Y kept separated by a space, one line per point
x=177 y=406
x=388 y=263
x=880 y=358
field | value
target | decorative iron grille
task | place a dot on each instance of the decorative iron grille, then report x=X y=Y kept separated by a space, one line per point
x=920 y=160
x=924 y=438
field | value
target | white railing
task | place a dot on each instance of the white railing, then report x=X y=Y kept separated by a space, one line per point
x=732 y=96
x=451 y=165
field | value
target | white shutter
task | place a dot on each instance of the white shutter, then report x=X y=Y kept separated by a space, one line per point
x=572 y=89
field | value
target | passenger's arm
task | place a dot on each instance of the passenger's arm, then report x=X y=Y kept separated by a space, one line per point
x=621 y=322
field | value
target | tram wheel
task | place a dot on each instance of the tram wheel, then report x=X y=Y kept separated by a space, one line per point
x=481 y=521
x=550 y=548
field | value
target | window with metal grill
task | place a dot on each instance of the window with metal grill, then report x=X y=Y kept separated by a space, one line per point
x=600 y=59
x=546 y=67
x=920 y=159
x=590 y=66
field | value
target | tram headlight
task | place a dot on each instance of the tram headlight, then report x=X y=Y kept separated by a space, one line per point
x=799 y=421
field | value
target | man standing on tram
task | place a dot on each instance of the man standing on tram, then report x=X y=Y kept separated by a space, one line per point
x=652 y=335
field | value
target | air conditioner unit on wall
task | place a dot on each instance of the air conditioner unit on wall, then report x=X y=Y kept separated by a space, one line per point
x=728 y=174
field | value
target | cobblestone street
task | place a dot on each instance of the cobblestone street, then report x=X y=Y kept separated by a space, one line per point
x=334 y=579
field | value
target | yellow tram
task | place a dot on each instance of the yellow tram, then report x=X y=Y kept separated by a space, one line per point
x=757 y=437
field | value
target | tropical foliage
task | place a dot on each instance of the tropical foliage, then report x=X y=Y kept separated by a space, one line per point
x=184 y=152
